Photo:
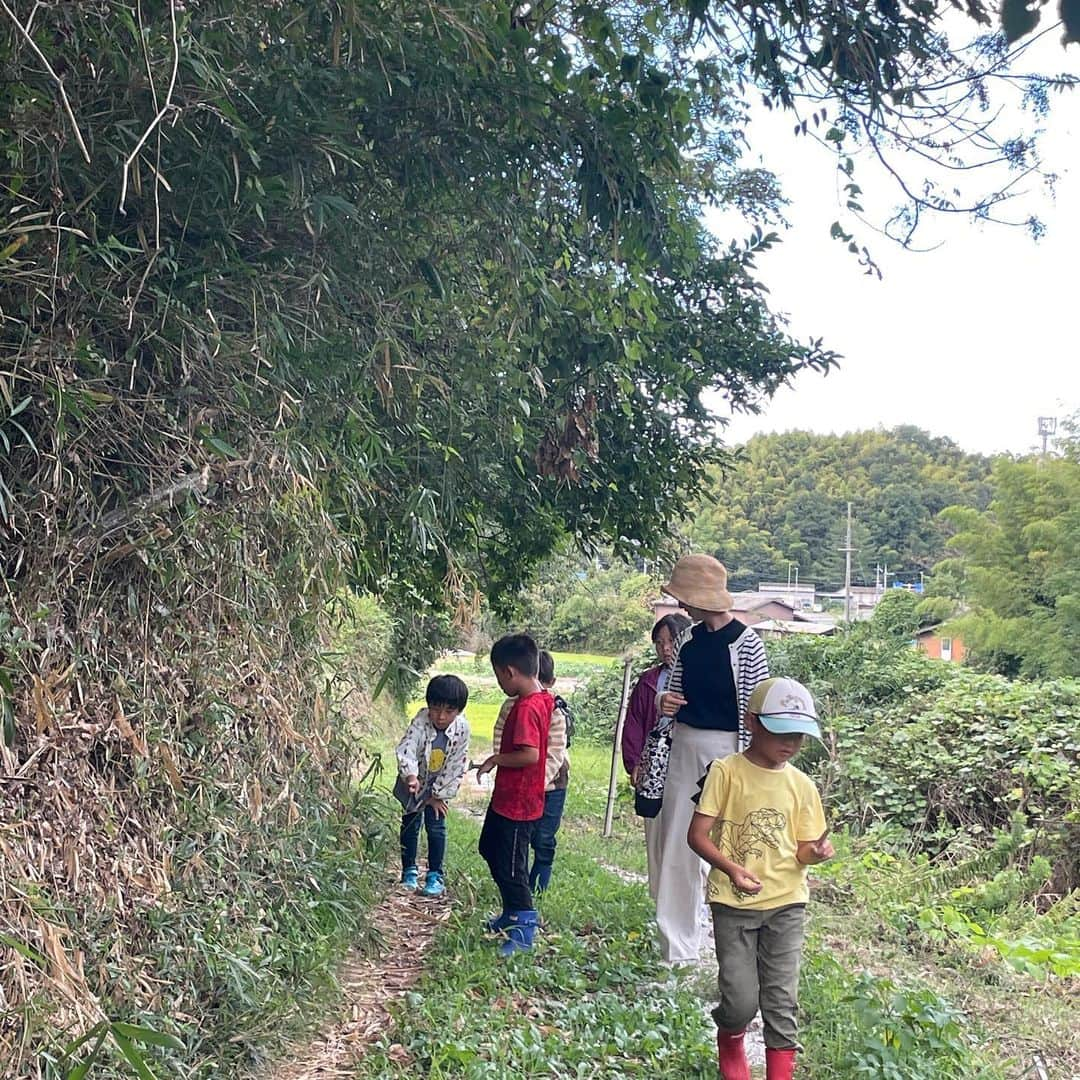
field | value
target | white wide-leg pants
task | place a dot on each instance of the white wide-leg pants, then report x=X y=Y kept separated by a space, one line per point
x=680 y=883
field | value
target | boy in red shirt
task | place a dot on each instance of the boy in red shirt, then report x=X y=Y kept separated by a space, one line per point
x=517 y=802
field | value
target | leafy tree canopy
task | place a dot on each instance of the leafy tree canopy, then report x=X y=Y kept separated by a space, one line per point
x=1021 y=558
x=432 y=278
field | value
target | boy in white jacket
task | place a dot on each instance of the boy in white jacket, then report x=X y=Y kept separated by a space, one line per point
x=432 y=758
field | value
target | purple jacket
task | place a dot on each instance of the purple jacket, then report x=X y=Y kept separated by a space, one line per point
x=640 y=717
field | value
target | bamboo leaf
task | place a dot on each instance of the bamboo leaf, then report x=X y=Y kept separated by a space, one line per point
x=132 y=1056
x=138 y=1033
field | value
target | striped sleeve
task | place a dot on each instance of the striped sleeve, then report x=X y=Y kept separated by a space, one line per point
x=500 y=723
x=753 y=668
x=556 y=747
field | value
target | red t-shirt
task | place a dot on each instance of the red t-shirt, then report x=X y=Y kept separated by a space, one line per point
x=519 y=793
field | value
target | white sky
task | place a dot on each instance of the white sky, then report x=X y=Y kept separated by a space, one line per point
x=973 y=340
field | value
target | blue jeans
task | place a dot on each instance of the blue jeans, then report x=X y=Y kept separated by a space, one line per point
x=410 y=838
x=544 y=840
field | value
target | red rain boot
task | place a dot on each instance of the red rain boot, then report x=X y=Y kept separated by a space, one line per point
x=733 y=1063
x=779 y=1064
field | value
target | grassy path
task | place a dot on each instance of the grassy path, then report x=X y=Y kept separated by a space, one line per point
x=590 y=1001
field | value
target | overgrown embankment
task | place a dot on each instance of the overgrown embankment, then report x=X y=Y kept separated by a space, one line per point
x=181 y=848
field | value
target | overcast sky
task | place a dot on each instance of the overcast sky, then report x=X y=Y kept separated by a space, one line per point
x=974 y=340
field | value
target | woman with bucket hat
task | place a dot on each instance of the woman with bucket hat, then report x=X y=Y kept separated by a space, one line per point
x=718 y=663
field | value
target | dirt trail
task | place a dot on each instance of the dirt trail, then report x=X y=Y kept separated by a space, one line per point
x=406 y=924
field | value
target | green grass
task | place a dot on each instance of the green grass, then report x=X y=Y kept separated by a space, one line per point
x=586 y=801
x=568 y=665
x=481 y=716
x=589 y=1001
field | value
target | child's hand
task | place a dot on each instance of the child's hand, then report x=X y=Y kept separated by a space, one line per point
x=671 y=703
x=634 y=776
x=816 y=851
x=487 y=765
x=439 y=806
x=743 y=881
x=413 y=784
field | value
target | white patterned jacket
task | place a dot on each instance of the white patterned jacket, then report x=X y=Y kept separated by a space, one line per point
x=415 y=748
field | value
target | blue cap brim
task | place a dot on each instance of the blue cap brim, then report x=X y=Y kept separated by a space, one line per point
x=791 y=725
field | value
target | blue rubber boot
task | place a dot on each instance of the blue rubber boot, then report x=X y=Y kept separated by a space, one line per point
x=433 y=884
x=520 y=931
x=497 y=923
x=410 y=878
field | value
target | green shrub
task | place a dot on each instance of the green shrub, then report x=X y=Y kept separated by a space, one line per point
x=862 y=1026
x=596 y=700
x=606 y=612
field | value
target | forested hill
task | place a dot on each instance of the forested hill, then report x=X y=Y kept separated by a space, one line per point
x=784 y=500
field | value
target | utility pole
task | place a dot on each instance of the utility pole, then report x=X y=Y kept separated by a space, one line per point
x=1047 y=427
x=847 y=550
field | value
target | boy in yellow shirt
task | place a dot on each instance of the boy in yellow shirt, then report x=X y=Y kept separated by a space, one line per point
x=759 y=824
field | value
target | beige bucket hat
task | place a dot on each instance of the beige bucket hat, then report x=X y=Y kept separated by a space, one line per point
x=700 y=581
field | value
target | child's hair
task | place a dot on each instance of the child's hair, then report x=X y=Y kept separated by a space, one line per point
x=674 y=623
x=518 y=651
x=447 y=690
x=545 y=671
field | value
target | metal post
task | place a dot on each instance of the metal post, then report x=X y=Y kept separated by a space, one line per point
x=847 y=569
x=616 y=750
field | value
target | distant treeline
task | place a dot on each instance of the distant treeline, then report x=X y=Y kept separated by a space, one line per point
x=784 y=501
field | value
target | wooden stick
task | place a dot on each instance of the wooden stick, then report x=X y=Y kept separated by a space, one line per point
x=616 y=749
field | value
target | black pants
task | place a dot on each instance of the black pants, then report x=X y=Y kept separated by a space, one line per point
x=504 y=846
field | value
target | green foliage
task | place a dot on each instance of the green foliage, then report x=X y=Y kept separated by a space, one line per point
x=897 y=615
x=966 y=755
x=884 y=1030
x=857 y=669
x=978 y=778
x=596 y=701
x=934 y=609
x=604 y=612
x=125 y=1038
x=783 y=500
x=363 y=643
x=385 y=301
x=1021 y=560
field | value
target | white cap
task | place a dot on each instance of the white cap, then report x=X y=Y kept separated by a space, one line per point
x=785 y=707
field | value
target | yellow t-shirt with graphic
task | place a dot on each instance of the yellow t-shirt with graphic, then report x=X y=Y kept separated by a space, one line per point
x=762 y=815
